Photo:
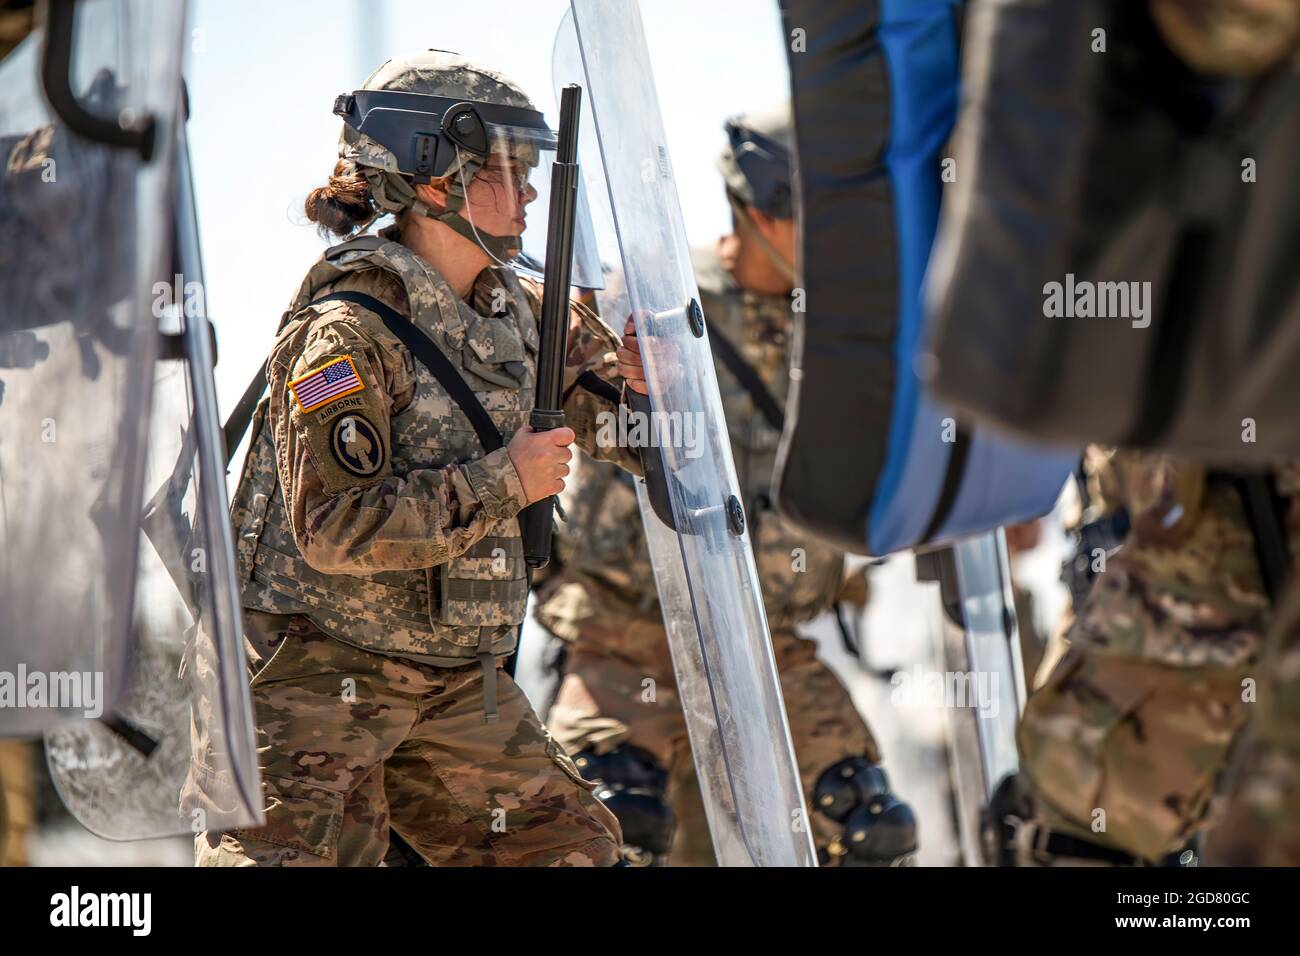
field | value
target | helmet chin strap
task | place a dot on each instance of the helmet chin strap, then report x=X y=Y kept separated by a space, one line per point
x=500 y=248
x=745 y=226
x=394 y=193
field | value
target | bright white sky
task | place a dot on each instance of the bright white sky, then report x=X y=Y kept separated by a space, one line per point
x=263 y=76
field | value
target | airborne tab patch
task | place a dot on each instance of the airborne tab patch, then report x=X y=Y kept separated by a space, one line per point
x=332 y=380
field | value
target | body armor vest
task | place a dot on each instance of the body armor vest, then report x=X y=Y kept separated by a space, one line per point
x=473 y=604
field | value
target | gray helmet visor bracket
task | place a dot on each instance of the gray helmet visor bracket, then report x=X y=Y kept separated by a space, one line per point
x=765 y=165
x=425 y=133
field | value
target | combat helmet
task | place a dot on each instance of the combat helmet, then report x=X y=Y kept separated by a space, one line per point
x=436 y=114
x=756 y=166
x=756 y=161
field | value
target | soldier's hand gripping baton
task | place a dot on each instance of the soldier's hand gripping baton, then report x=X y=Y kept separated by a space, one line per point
x=548 y=412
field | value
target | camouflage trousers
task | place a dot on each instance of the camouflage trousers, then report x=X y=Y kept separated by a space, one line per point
x=1126 y=742
x=354 y=743
x=618 y=688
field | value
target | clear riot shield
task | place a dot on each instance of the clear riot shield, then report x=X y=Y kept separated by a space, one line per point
x=708 y=584
x=187 y=700
x=983 y=679
x=87 y=107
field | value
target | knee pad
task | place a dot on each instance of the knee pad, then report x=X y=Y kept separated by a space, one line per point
x=634 y=787
x=879 y=829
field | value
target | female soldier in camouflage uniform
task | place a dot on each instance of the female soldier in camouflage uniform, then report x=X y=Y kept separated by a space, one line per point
x=382 y=568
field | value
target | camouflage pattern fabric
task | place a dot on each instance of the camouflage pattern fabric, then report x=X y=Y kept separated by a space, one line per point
x=1260 y=823
x=379 y=554
x=355 y=743
x=619 y=680
x=1126 y=741
x=619 y=688
x=375 y=511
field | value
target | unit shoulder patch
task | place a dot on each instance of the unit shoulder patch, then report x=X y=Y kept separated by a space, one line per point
x=356 y=445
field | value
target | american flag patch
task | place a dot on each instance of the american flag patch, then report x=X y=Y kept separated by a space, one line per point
x=330 y=381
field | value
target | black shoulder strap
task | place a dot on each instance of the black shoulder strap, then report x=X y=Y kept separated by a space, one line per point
x=421 y=347
x=242 y=416
x=745 y=374
x=593 y=383
x=1265 y=513
x=434 y=360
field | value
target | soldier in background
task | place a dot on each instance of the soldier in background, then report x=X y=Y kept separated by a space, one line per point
x=1123 y=747
x=1260 y=823
x=617 y=708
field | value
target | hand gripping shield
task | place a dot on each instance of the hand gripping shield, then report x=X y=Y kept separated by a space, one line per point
x=705 y=571
x=87 y=105
x=178 y=752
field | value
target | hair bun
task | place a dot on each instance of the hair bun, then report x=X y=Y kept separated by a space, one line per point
x=343 y=204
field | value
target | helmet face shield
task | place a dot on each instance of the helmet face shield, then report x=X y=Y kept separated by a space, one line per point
x=496 y=192
x=507 y=204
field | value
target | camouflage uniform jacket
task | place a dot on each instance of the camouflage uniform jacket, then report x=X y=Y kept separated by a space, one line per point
x=366 y=501
x=603 y=542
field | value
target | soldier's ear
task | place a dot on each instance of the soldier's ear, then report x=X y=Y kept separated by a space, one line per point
x=433 y=194
x=766 y=226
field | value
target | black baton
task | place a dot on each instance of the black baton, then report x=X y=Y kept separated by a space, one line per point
x=548 y=412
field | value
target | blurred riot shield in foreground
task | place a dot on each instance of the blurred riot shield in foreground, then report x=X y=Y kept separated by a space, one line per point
x=187 y=693
x=87 y=104
x=982 y=681
x=869 y=459
x=1117 y=260
x=690 y=503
